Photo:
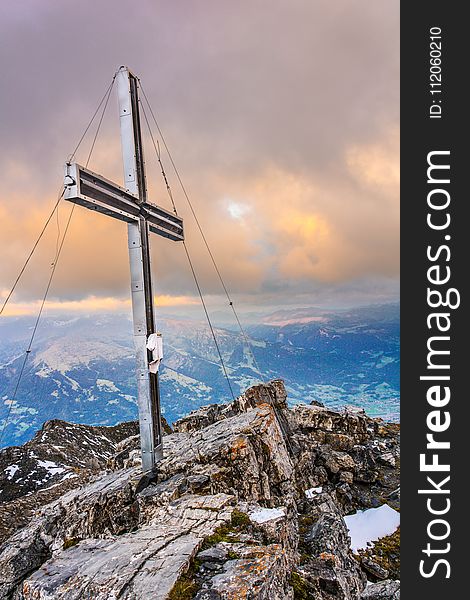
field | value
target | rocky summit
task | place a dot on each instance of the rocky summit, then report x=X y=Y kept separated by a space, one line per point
x=248 y=503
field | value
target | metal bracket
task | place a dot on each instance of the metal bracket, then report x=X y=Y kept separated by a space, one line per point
x=155 y=346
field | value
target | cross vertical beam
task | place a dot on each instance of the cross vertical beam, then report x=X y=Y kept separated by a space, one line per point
x=140 y=267
x=130 y=204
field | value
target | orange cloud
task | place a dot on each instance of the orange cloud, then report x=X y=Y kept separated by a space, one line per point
x=377 y=165
x=313 y=227
x=90 y=304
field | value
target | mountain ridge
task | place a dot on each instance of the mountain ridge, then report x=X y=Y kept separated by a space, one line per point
x=248 y=502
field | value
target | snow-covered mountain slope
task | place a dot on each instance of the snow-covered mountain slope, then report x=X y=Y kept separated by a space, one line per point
x=61 y=456
x=81 y=369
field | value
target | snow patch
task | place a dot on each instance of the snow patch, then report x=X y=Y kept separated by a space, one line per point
x=311 y=493
x=106 y=385
x=183 y=380
x=44 y=372
x=11 y=470
x=263 y=515
x=74 y=384
x=50 y=466
x=372 y=524
x=129 y=398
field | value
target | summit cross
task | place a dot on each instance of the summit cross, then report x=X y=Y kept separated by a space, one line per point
x=129 y=203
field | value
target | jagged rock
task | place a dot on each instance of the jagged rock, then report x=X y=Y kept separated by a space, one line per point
x=349 y=409
x=167 y=430
x=248 y=451
x=127 y=454
x=381 y=559
x=324 y=579
x=331 y=568
x=384 y=590
x=61 y=456
x=258 y=572
x=217 y=553
x=225 y=514
x=346 y=477
x=102 y=508
x=247 y=443
x=335 y=461
x=394 y=496
x=198 y=419
x=273 y=394
x=56 y=453
x=388 y=459
x=374 y=568
x=328 y=534
x=340 y=431
x=160 y=553
x=275 y=525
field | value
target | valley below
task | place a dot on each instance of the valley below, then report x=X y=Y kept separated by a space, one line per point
x=81 y=368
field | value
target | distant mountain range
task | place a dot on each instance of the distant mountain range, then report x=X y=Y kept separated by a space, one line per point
x=81 y=368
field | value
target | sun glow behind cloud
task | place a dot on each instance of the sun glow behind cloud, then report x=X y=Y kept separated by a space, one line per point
x=237 y=210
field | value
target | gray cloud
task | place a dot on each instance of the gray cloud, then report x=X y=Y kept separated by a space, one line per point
x=247 y=93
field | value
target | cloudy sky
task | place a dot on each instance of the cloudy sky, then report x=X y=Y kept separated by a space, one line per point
x=282 y=117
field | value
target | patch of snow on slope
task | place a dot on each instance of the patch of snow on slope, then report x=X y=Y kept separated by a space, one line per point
x=11 y=470
x=129 y=398
x=263 y=515
x=371 y=524
x=184 y=380
x=50 y=466
x=44 y=372
x=64 y=356
x=106 y=385
x=311 y=493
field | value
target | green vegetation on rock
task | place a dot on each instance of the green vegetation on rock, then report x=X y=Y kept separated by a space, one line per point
x=69 y=543
x=186 y=587
x=298 y=585
x=228 y=532
x=386 y=553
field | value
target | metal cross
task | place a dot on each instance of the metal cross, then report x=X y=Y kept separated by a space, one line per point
x=129 y=204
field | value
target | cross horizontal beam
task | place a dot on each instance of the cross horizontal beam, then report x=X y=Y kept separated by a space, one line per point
x=97 y=193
